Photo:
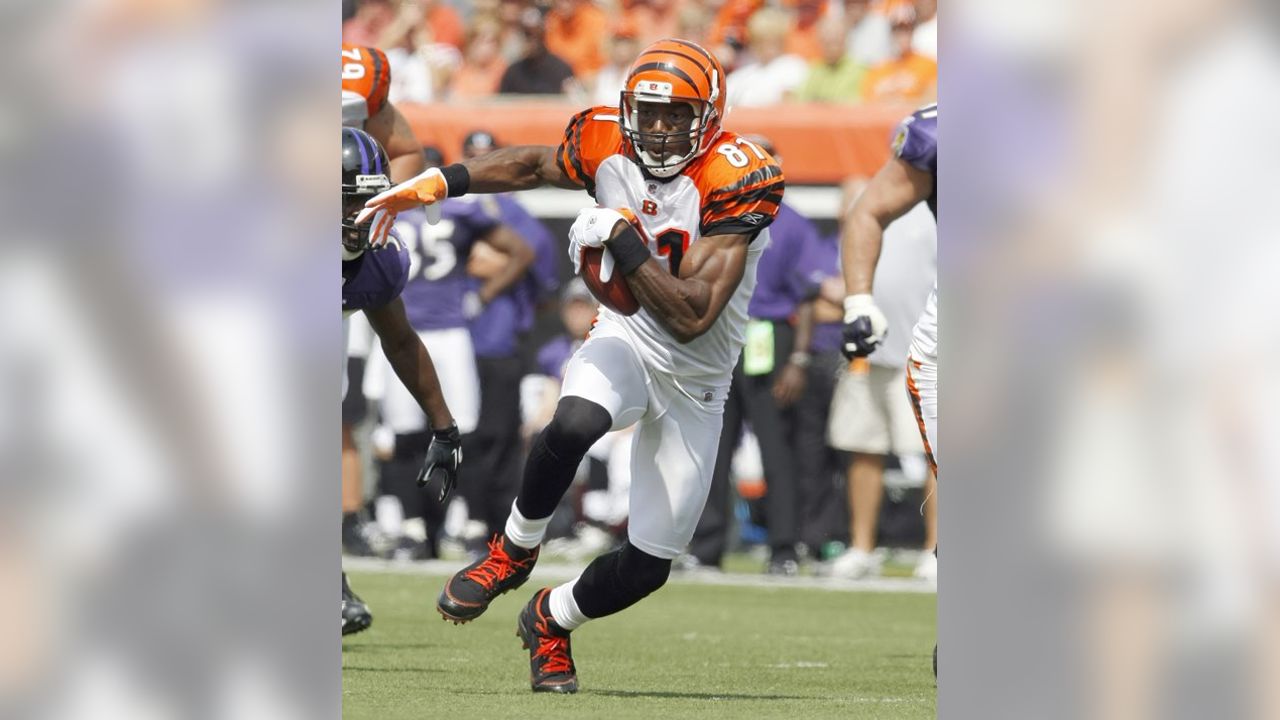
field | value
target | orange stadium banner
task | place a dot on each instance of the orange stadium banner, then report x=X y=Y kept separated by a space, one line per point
x=820 y=144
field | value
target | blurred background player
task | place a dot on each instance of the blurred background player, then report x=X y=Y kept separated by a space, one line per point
x=768 y=380
x=699 y=201
x=871 y=415
x=440 y=300
x=499 y=334
x=372 y=281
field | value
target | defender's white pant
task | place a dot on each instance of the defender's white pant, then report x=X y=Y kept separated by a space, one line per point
x=674 y=446
x=922 y=386
x=455 y=361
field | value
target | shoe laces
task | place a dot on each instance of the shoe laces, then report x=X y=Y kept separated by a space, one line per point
x=498 y=566
x=554 y=651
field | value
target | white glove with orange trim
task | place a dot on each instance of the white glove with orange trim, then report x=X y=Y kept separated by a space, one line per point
x=590 y=230
x=427 y=189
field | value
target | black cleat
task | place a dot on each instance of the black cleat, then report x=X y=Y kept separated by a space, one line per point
x=355 y=614
x=468 y=593
x=551 y=666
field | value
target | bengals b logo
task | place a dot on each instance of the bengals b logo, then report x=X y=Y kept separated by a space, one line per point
x=649 y=207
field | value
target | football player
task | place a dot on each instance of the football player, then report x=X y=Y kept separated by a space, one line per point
x=439 y=300
x=682 y=206
x=366 y=78
x=907 y=178
x=372 y=279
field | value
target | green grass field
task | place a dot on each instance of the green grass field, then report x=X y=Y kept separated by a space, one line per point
x=690 y=650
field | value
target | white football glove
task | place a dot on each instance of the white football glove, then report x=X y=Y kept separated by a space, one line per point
x=864 y=325
x=591 y=229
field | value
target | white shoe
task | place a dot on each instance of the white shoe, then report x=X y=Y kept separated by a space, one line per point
x=927 y=567
x=854 y=564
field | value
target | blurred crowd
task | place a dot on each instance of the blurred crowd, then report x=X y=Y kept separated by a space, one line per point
x=775 y=51
x=820 y=466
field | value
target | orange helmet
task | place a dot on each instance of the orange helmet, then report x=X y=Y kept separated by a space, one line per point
x=673 y=71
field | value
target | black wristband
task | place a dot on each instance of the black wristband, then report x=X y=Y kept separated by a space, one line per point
x=629 y=251
x=458 y=178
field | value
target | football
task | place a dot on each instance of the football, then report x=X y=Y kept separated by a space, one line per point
x=615 y=294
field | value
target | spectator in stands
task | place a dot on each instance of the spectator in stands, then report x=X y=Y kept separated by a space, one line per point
x=871 y=416
x=420 y=66
x=538 y=72
x=771 y=75
x=653 y=20
x=728 y=34
x=868 y=38
x=907 y=77
x=623 y=49
x=512 y=40
x=369 y=20
x=444 y=22
x=924 y=41
x=837 y=77
x=767 y=382
x=803 y=39
x=575 y=32
x=483 y=65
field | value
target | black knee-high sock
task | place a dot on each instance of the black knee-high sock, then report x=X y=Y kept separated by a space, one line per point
x=615 y=581
x=556 y=453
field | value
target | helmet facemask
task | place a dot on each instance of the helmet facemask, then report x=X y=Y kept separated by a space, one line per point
x=355 y=238
x=660 y=152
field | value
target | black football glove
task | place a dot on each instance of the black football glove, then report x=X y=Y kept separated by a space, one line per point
x=443 y=458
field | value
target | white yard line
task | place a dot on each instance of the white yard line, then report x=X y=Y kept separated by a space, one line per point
x=562 y=571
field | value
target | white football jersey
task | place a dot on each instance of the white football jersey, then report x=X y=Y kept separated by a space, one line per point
x=735 y=187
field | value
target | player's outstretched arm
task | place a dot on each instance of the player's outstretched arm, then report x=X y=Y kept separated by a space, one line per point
x=514 y=168
x=895 y=189
x=689 y=305
x=411 y=361
x=520 y=167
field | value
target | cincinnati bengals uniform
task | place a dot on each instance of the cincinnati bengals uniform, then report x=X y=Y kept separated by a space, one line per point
x=366 y=78
x=632 y=365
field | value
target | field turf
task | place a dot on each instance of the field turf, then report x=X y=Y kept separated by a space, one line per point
x=689 y=651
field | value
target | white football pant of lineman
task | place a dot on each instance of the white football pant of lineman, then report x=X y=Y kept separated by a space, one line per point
x=676 y=438
x=455 y=360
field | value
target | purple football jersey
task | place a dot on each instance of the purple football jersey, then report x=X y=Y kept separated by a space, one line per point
x=495 y=332
x=376 y=277
x=824 y=262
x=781 y=281
x=438 y=260
x=916 y=142
x=543 y=278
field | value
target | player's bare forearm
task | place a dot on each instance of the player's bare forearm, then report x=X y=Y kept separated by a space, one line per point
x=804 y=327
x=520 y=167
x=519 y=258
x=410 y=360
x=680 y=305
x=690 y=304
x=861 y=238
x=895 y=189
